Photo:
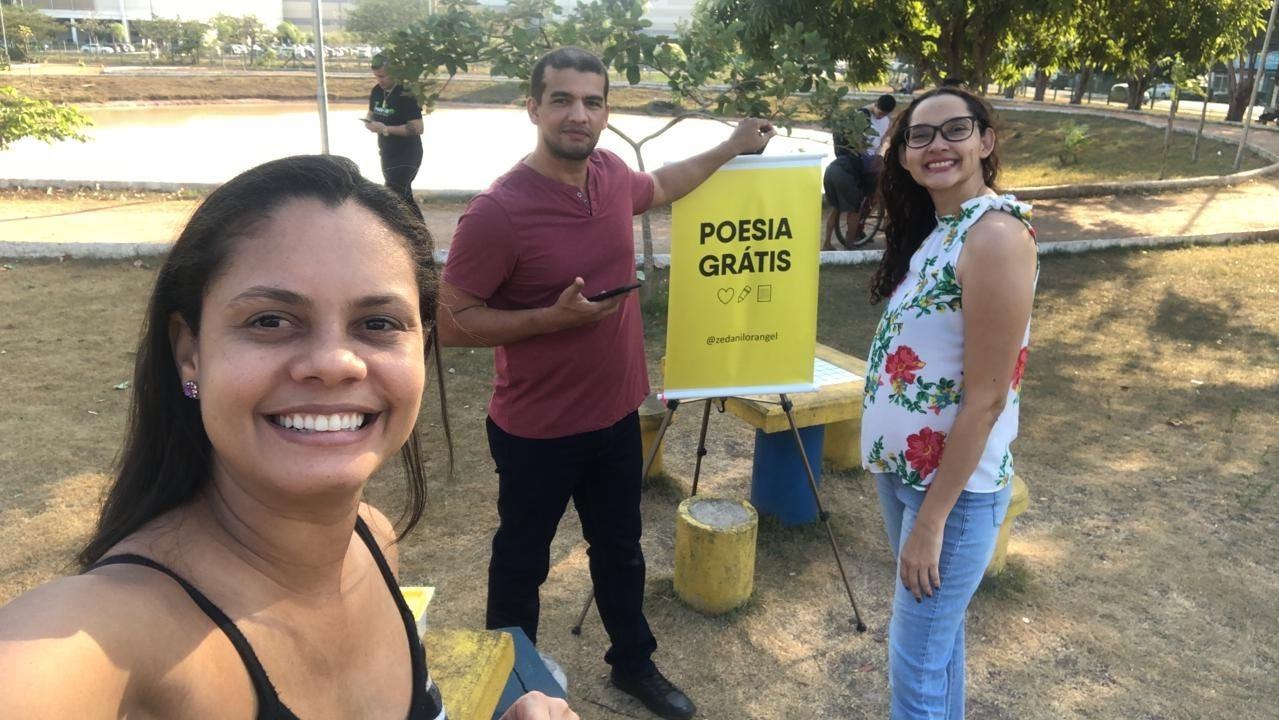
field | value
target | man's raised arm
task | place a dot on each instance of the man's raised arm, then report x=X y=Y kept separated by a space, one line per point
x=674 y=181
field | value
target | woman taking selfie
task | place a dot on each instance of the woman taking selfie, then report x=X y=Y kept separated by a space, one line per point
x=235 y=571
x=943 y=381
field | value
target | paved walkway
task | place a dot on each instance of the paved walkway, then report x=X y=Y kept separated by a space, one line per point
x=149 y=222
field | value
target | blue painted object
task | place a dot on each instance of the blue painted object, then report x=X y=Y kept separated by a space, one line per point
x=529 y=674
x=779 y=484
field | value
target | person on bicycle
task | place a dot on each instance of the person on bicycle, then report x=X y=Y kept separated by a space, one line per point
x=852 y=175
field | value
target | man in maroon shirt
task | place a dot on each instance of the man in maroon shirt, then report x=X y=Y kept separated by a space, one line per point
x=563 y=422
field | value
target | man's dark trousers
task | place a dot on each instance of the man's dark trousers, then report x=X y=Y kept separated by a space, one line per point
x=600 y=471
x=398 y=171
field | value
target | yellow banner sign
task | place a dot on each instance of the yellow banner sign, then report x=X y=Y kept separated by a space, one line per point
x=742 y=315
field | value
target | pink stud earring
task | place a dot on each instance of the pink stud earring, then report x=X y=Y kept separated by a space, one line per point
x=191 y=389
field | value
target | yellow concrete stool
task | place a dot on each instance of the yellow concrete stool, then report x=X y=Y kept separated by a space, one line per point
x=1020 y=501
x=715 y=553
x=471 y=667
x=651 y=413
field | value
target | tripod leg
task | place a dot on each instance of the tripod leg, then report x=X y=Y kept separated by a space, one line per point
x=821 y=512
x=671 y=406
x=701 y=445
x=590 y=599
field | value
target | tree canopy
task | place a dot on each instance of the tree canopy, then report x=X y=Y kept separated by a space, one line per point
x=23 y=117
x=376 y=20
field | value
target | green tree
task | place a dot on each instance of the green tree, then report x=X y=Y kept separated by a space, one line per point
x=93 y=28
x=377 y=20
x=245 y=30
x=518 y=37
x=23 y=117
x=288 y=33
x=862 y=35
x=1141 y=39
x=1039 y=42
x=178 y=38
x=447 y=43
x=44 y=29
x=1246 y=57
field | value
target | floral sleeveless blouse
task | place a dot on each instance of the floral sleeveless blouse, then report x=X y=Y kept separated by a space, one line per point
x=914 y=377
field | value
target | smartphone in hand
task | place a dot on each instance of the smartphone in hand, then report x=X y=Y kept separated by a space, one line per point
x=614 y=292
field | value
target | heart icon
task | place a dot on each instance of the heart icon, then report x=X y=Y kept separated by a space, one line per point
x=726 y=295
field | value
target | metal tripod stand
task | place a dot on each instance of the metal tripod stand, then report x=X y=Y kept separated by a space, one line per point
x=787 y=407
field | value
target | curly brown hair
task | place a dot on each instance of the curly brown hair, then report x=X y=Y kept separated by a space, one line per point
x=909 y=213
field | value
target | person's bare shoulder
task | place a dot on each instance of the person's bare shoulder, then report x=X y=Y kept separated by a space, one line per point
x=384 y=533
x=80 y=646
x=999 y=228
x=998 y=242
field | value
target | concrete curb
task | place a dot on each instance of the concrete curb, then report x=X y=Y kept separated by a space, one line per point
x=859 y=257
x=12 y=250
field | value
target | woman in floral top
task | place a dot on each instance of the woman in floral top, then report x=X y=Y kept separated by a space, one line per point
x=943 y=384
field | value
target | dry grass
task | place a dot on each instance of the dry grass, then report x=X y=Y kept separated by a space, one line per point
x=1118 y=150
x=1142 y=580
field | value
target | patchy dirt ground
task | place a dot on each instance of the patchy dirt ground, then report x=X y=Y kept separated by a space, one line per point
x=1142 y=580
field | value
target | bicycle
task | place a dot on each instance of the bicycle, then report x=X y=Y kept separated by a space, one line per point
x=862 y=229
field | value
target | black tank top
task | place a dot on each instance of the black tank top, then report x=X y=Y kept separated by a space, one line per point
x=425 y=704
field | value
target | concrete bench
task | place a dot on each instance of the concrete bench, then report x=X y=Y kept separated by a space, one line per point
x=480 y=672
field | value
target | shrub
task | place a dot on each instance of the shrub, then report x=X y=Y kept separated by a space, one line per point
x=1074 y=138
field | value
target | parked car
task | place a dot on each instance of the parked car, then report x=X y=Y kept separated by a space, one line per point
x=97 y=49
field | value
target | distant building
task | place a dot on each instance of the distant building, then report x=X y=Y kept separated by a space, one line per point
x=333 y=12
x=666 y=14
x=101 y=9
x=127 y=11
x=111 y=10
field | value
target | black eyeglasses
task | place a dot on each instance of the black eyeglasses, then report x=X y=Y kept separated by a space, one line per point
x=956 y=129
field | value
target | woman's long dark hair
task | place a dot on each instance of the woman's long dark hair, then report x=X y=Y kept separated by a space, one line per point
x=909 y=213
x=167 y=459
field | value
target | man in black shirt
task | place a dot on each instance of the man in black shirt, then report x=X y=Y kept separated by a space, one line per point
x=397 y=119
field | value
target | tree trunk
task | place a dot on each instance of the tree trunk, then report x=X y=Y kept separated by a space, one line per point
x=1136 y=92
x=1041 y=84
x=1239 y=86
x=1239 y=100
x=952 y=41
x=1203 y=118
x=1172 y=114
x=1085 y=75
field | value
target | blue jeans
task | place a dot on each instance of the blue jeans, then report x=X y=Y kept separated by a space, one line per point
x=926 y=640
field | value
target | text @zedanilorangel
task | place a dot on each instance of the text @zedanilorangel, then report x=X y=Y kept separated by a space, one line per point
x=742 y=338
